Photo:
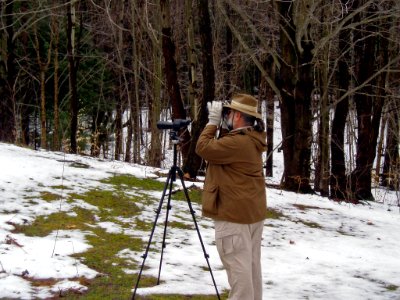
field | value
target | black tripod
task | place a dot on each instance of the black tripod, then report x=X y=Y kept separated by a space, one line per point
x=168 y=185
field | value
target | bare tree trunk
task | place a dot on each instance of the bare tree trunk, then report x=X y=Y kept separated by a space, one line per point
x=56 y=134
x=379 y=151
x=97 y=119
x=191 y=61
x=267 y=93
x=136 y=110
x=154 y=155
x=43 y=128
x=390 y=176
x=228 y=59
x=118 y=125
x=322 y=179
x=296 y=82
x=43 y=66
x=338 y=180
x=73 y=63
x=391 y=165
x=127 y=62
x=171 y=74
x=369 y=107
x=155 y=151
x=7 y=77
x=322 y=176
x=193 y=161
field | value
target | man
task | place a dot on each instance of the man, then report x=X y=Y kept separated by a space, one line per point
x=234 y=191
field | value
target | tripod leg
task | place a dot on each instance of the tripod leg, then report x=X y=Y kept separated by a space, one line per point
x=144 y=256
x=192 y=212
x=173 y=176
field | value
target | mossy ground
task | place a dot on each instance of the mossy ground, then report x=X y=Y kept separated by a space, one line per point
x=117 y=199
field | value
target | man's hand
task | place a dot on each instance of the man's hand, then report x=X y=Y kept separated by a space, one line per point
x=214 y=112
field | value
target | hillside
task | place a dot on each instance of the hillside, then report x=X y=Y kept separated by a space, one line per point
x=77 y=225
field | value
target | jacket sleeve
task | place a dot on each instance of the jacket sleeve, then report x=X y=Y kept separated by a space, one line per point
x=206 y=136
x=222 y=151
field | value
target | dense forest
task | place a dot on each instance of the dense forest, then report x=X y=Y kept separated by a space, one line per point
x=95 y=76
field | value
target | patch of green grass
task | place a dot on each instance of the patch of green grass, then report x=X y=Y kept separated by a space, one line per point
x=180 y=225
x=14 y=211
x=274 y=214
x=44 y=225
x=113 y=280
x=342 y=232
x=129 y=181
x=310 y=224
x=79 y=165
x=193 y=192
x=110 y=203
x=102 y=256
x=306 y=207
x=385 y=285
x=47 y=196
x=114 y=205
x=60 y=187
x=392 y=287
x=32 y=202
x=143 y=226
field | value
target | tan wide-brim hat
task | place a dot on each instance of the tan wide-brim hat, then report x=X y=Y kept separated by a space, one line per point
x=246 y=104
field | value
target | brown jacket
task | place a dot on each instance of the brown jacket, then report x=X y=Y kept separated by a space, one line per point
x=234 y=188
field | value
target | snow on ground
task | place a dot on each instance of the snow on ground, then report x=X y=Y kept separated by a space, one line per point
x=317 y=249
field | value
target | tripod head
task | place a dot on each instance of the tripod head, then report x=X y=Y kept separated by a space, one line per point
x=175 y=126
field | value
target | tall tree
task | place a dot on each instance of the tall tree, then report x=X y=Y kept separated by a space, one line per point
x=43 y=63
x=391 y=165
x=266 y=92
x=322 y=66
x=171 y=74
x=369 y=99
x=123 y=95
x=296 y=85
x=8 y=74
x=155 y=93
x=56 y=32
x=136 y=37
x=338 y=180
x=73 y=64
x=27 y=97
x=193 y=161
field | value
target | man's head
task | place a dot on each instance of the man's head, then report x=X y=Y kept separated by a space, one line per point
x=242 y=111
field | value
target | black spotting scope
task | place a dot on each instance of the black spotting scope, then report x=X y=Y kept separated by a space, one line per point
x=175 y=125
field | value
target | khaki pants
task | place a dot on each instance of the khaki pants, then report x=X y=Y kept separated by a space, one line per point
x=239 y=247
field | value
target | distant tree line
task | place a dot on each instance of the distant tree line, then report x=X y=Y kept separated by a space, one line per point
x=95 y=76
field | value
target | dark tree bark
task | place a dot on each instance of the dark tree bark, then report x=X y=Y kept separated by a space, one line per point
x=369 y=102
x=56 y=109
x=296 y=84
x=97 y=119
x=7 y=79
x=193 y=161
x=28 y=97
x=267 y=93
x=338 y=180
x=73 y=63
x=270 y=133
x=118 y=127
x=228 y=58
x=171 y=74
x=391 y=165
